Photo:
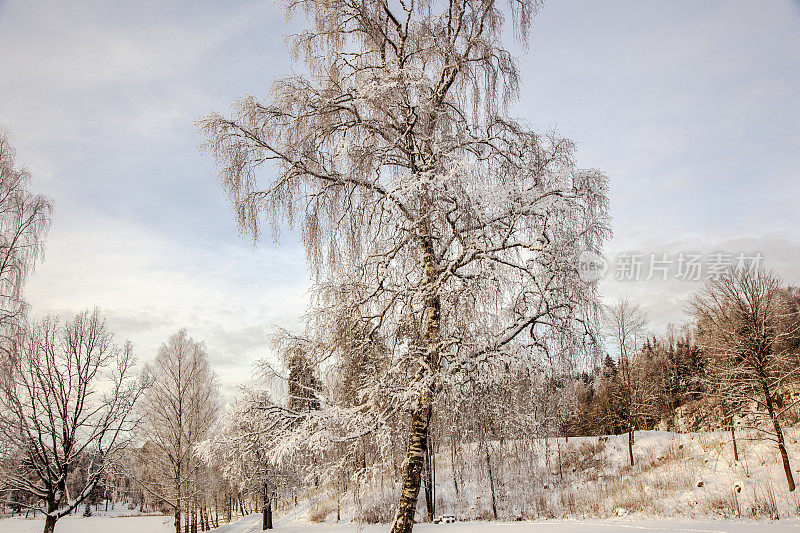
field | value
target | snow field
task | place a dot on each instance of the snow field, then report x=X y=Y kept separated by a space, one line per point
x=681 y=482
x=252 y=524
x=92 y=524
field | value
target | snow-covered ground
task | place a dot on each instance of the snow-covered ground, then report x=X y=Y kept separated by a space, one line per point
x=252 y=524
x=92 y=524
x=682 y=482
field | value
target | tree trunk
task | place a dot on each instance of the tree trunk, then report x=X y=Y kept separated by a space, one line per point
x=412 y=467
x=49 y=524
x=630 y=442
x=429 y=479
x=733 y=440
x=453 y=464
x=784 y=455
x=787 y=469
x=491 y=481
x=178 y=497
x=266 y=519
x=50 y=521
x=421 y=414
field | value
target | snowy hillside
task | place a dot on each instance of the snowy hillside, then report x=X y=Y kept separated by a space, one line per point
x=690 y=475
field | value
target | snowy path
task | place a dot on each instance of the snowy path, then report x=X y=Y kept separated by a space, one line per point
x=252 y=524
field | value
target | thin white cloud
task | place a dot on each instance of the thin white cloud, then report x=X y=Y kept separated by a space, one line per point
x=149 y=286
x=81 y=49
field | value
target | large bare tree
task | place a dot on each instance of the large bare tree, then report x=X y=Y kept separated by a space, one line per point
x=449 y=230
x=179 y=408
x=749 y=334
x=66 y=401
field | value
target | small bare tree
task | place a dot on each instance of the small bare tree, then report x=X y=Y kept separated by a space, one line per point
x=748 y=341
x=626 y=324
x=66 y=400
x=179 y=408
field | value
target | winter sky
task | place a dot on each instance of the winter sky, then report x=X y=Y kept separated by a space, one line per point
x=692 y=109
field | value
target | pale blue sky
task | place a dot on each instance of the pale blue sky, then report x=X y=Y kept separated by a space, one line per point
x=692 y=109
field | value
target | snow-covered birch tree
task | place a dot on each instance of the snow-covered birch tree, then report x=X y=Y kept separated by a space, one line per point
x=240 y=446
x=66 y=399
x=24 y=221
x=440 y=225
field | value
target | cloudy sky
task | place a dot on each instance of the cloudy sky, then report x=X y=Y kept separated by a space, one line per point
x=692 y=108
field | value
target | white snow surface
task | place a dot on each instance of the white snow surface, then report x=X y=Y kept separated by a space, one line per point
x=252 y=524
x=92 y=524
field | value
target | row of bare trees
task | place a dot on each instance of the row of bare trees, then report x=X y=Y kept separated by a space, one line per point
x=69 y=421
x=74 y=414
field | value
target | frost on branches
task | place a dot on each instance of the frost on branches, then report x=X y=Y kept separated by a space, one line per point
x=241 y=443
x=443 y=235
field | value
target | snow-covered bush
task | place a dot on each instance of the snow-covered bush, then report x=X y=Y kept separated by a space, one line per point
x=763 y=504
x=377 y=510
x=320 y=510
x=725 y=504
